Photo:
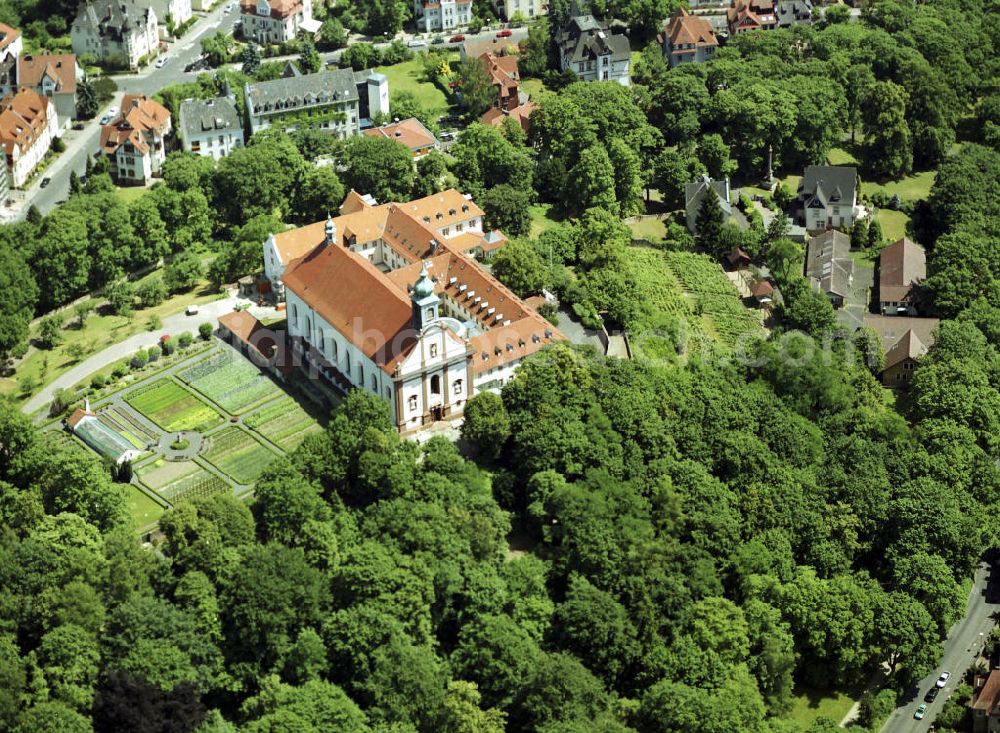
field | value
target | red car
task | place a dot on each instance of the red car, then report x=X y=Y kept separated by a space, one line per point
x=456 y=39
x=505 y=34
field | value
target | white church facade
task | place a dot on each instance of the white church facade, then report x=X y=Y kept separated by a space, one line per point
x=390 y=299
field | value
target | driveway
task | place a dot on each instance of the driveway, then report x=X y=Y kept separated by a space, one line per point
x=173 y=325
x=852 y=314
x=962 y=646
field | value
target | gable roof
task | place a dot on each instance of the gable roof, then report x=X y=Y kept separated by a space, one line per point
x=902 y=265
x=199 y=116
x=793 y=12
x=280 y=9
x=751 y=13
x=140 y=117
x=410 y=132
x=892 y=329
x=8 y=35
x=113 y=18
x=521 y=114
x=908 y=347
x=988 y=699
x=686 y=29
x=61 y=68
x=24 y=114
x=354 y=201
x=828 y=262
x=829 y=184
x=694 y=192
x=357 y=298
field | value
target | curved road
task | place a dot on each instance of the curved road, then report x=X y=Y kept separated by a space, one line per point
x=963 y=644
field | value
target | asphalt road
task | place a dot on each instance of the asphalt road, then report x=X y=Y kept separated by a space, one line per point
x=960 y=649
x=81 y=143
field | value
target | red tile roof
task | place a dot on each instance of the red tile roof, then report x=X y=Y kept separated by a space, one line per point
x=902 y=265
x=690 y=29
x=139 y=118
x=988 y=699
x=410 y=132
x=8 y=35
x=24 y=115
x=61 y=67
x=280 y=9
x=520 y=114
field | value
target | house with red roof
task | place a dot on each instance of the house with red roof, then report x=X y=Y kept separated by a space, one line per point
x=276 y=21
x=688 y=39
x=53 y=75
x=506 y=79
x=751 y=15
x=28 y=124
x=390 y=298
x=134 y=141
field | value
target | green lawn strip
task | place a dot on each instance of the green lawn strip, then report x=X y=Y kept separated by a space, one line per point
x=238 y=454
x=129 y=194
x=409 y=76
x=839 y=156
x=142 y=508
x=893 y=223
x=532 y=87
x=172 y=407
x=910 y=188
x=652 y=230
x=809 y=704
x=542 y=218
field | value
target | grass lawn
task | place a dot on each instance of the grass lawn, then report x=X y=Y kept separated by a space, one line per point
x=808 y=704
x=129 y=194
x=172 y=407
x=409 y=76
x=99 y=331
x=532 y=87
x=910 y=188
x=239 y=455
x=141 y=509
x=893 y=223
x=652 y=230
x=839 y=156
x=542 y=218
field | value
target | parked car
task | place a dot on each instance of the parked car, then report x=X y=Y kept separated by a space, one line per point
x=437 y=40
x=45 y=182
x=162 y=61
x=505 y=33
x=112 y=111
x=417 y=43
x=932 y=694
x=921 y=712
x=105 y=119
x=192 y=310
x=456 y=39
x=943 y=679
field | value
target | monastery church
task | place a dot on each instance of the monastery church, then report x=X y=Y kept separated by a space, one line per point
x=390 y=298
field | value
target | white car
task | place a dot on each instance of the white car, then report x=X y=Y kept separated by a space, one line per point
x=943 y=679
x=112 y=111
x=162 y=61
x=417 y=43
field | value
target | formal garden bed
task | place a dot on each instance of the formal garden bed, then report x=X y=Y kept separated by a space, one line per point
x=230 y=381
x=238 y=454
x=172 y=407
x=284 y=423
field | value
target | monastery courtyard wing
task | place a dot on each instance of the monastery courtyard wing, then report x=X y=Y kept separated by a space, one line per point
x=389 y=298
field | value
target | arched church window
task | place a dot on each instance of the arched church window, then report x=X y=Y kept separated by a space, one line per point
x=436 y=384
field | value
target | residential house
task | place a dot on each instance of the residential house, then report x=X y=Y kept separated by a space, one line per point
x=473 y=48
x=11 y=45
x=904 y=341
x=751 y=15
x=985 y=703
x=134 y=141
x=119 y=33
x=54 y=76
x=525 y=8
x=829 y=266
x=210 y=127
x=276 y=21
x=339 y=101
x=170 y=15
x=793 y=12
x=902 y=266
x=520 y=114
x=203 y=5
x=4 y=185
x=688 y=39
x=592 y=52
x=828 y=196
x=503 y=73
x=409 y=132
x=28 y=124
x=696 y=191
x=441 y=15
x=738 y=260
x=385 y=298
